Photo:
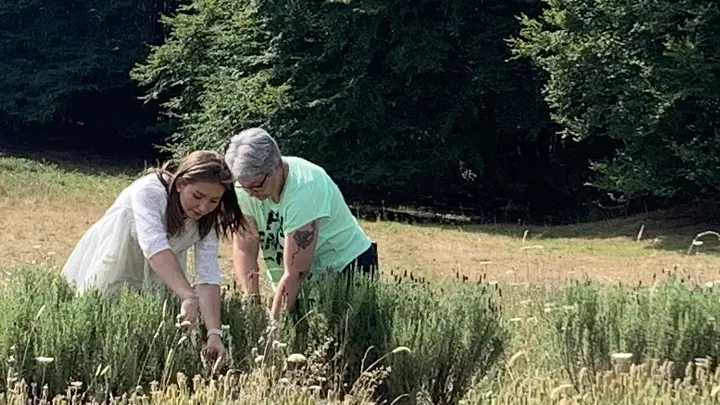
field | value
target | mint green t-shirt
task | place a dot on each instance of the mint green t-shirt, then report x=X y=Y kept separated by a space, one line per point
x=309 y=194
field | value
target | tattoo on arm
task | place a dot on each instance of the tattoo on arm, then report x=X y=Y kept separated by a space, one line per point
x=304 y=238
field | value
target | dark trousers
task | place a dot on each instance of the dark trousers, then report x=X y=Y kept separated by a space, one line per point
x=367 y=262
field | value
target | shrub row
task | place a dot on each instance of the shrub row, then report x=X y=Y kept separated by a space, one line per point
x=51 y=336
x=672 y=320
x=432 y=339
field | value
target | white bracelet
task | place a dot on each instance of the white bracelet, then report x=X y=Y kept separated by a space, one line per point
x=192 y=296
x=215 y=331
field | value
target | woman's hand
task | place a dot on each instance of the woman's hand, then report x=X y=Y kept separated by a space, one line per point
x=214 y=348
x=189 y=309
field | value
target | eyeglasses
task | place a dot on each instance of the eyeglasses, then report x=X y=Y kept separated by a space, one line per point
x=256 y=186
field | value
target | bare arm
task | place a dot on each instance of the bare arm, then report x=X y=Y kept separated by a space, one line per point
x=210 y=308
x=299 y=250
x=148 y=202
x=165 y=264
x=246 y=247
x=208 y=277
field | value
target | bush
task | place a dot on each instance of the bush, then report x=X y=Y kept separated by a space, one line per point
x=51 y=336
x=455 y=333
x=673 y=320
x=55 y=338
x=432 y=340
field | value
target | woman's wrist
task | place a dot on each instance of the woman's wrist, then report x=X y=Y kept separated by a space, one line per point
x=190 y=294
x=215 y=332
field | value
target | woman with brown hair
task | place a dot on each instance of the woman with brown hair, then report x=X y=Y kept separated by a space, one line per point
x=142 y=240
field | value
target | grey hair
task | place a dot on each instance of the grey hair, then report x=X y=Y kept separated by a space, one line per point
x=252 y=152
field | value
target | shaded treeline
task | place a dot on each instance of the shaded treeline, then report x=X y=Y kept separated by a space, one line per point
x=572 y=112
x=65 y=75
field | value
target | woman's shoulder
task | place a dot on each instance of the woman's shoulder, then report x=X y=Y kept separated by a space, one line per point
x=147 y=190
x=149 y=182
x=305 y=173
x=308 y=181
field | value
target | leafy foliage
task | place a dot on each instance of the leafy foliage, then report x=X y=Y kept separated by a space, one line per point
x=379 y=93
x=403 y=102
x=65 y=68
x=218 y=66
x=644 y=74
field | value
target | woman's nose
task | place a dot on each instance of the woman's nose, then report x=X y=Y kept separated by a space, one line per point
x=204 y=207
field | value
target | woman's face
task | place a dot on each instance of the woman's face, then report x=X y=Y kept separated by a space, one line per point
x=199 y=199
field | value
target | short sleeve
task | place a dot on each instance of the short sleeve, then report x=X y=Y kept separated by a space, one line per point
x=207 y=266
x=304 y=205
x=148 y=204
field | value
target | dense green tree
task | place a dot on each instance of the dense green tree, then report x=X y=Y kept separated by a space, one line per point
x=453 y=103
x=645 y=74
x=405 y=101
x=215 y=72
x=65 y=67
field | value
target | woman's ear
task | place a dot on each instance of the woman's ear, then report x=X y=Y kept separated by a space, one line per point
x=180 y=184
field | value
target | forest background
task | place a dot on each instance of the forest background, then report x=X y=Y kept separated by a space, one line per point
x=512 y=110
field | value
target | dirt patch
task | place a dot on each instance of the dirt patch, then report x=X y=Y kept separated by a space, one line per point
x=432 y=252
x=42 y=230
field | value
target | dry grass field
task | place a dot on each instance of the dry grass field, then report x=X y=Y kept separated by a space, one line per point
x=45 y=206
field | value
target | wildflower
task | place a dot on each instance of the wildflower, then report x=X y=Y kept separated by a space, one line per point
x=296 y=358
x=622 y=356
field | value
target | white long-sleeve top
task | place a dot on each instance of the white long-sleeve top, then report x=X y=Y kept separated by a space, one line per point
x=118 y=246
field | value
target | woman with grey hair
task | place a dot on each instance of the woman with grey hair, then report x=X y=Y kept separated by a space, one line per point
x=296 y=216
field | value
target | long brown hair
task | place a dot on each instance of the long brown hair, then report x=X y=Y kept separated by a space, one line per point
x=202 y=166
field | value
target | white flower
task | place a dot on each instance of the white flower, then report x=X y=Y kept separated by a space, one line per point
x=622 y=356
x=296 y=358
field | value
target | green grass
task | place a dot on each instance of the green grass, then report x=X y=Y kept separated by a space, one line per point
x=97 y=181
x=402 y=339
x=23 y=177
x=430 y=340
